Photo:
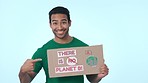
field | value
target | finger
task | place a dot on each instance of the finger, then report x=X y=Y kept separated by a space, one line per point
x=36 y=60
x=32 y=68
x=102 y=71
x=103 y=66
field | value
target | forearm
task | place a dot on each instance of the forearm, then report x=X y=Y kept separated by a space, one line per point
x=93 y=78
x=24 y=77
x=26 y=74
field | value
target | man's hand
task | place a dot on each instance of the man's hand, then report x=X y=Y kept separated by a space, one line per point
x=95 y=78
x=28 y=66
x=103 y=71
x=26 y=73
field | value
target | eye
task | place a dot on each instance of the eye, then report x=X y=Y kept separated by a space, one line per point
x=64 y=22
x=54 y=23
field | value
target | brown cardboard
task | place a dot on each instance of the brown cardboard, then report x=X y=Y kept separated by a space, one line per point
x=75 y=61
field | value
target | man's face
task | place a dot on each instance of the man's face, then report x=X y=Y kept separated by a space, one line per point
x=60 y=25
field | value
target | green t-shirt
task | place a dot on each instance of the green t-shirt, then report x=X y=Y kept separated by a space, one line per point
x=42 y=53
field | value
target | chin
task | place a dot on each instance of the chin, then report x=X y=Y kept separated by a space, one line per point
x=61 y=36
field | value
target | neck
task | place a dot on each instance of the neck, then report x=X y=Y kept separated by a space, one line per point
x=63 y=40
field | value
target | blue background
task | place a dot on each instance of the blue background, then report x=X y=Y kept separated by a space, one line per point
x=120 y=25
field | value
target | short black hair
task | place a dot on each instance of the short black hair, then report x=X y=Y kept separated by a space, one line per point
x=59 y=10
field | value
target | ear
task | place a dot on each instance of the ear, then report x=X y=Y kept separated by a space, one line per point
x=50 y=24
x=70 y=23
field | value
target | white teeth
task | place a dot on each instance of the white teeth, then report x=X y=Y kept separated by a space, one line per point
x=60 y=32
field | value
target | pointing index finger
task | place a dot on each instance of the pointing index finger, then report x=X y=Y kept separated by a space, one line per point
x=36 y=60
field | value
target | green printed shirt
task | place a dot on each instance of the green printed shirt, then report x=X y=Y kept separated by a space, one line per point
x=42 y=53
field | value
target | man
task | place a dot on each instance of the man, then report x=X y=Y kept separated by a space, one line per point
x=60 y=22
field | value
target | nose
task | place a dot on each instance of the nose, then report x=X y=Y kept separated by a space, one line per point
x=60 y=26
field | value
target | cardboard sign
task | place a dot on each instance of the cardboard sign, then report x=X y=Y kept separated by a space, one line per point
x=75 y=61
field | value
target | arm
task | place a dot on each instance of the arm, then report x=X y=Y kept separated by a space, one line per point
x=95 y=78
x=26 y=73
x=26 y=77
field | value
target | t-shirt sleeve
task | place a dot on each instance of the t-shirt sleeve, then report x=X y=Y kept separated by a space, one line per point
x=37 y=65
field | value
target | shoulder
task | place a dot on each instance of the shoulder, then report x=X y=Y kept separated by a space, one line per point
x=79 y=42
x=41 y=51
x=48 y=45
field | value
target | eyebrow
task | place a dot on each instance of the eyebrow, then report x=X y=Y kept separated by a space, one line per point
x=53 y=20
x=61 y=20
x=64 y=20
